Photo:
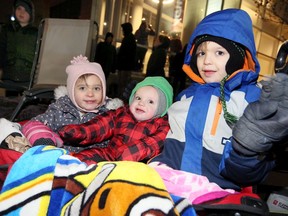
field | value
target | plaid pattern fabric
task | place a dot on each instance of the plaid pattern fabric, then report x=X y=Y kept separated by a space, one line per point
x=129 y=139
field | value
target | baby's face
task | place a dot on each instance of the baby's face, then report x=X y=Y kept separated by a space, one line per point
x=88 y=92
x=145 y=103
x=211 y=61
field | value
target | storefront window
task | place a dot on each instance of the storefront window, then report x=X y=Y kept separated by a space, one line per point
x=170 y=18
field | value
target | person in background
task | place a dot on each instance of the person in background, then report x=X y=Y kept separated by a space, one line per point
x=17 y=45
x=106 y=55
x=136 y=131
x=224 y=128
x=157 y=60
x=126 y=57
x=82 y=100
x=177 y=76
x=141 y=36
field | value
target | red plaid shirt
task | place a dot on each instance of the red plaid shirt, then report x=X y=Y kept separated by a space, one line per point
x=129 y=139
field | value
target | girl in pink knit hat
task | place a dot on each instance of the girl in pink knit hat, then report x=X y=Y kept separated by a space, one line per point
x=82 y=99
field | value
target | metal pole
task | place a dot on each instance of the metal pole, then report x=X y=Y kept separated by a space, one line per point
x=158 y=18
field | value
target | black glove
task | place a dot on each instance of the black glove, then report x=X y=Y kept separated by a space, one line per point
x=264 y=122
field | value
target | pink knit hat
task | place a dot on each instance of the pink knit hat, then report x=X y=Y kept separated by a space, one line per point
x=79 y=66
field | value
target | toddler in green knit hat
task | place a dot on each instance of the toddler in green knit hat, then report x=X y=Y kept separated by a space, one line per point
x=136 y=132
x=158 y=89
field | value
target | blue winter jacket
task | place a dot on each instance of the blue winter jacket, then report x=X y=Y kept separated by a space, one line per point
x=200 y=141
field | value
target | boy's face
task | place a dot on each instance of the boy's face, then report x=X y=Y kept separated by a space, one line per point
x=211 y=61
x=22 y=15
x=88 y=92
x=145 y=103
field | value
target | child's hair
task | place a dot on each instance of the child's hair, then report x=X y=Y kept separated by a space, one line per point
x=164 y=89
x=81 y=66
x=84 y=77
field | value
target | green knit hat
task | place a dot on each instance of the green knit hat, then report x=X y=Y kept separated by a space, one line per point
x=160 y=83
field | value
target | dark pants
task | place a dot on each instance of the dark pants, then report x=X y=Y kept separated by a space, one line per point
x=124 y=79
x=140 y=55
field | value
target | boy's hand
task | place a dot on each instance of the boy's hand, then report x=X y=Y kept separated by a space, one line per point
x=264 y=122
x=72 y=133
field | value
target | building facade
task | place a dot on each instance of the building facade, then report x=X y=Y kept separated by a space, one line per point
x=175 y=18
x=178 y=18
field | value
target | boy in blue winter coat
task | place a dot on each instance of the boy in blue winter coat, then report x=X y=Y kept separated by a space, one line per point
x=219 y=126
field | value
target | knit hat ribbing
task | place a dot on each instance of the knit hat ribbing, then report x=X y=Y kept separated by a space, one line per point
x=236 y=51
x=78 y=67
x=162 y=102
x=164 y=86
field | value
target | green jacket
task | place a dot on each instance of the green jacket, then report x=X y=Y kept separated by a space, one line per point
x=17 y=50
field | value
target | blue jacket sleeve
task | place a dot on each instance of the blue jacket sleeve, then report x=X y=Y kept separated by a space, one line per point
x=243 y=170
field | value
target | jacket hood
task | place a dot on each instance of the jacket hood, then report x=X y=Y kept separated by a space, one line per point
x=29 y=7
x=232 y=24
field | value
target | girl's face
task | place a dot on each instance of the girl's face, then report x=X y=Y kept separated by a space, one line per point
x=22 y=16
x=211 y=61
x=88 y=92
x=145 y=103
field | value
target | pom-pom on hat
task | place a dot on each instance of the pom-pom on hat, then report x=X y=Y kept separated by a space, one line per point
x=236 y=51
x=78 y=67
x=164 y=89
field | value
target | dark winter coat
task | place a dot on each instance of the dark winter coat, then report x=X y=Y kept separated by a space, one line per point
x=126 y=57
x=17 y=50
x=106 y=57
x=157 y=61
